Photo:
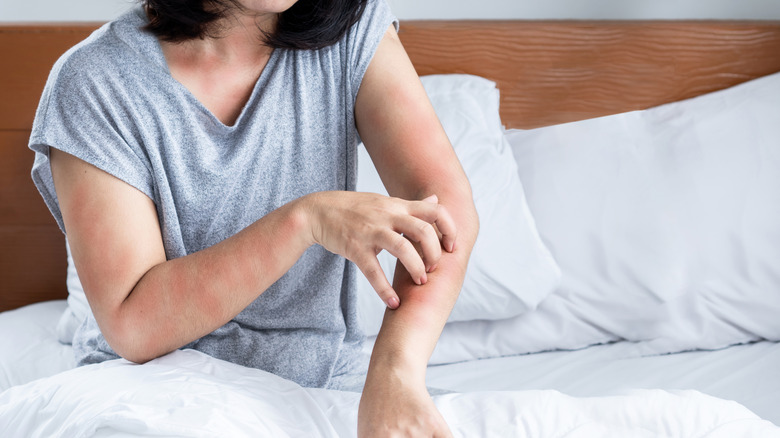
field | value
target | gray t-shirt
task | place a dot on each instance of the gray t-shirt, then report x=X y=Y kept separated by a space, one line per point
x=112 y=102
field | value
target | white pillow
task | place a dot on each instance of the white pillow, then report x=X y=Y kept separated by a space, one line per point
x=510 y=270
x=77 y=309
x=665 y=223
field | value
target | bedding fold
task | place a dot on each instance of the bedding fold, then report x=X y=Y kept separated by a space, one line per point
x=188 y=393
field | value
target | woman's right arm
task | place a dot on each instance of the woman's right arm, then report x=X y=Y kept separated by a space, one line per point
x=144 y=305
x=147 y=306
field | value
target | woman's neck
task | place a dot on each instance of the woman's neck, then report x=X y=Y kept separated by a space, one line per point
x=221 y=71
x=239 y=40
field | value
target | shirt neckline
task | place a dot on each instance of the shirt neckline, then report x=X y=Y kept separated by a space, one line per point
x=159 y=57
x=261 y=80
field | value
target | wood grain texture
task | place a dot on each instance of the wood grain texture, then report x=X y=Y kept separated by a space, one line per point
x=556 y=72
x=548 y=72
x=32 y=247
x=20 y=203
x=33 y=265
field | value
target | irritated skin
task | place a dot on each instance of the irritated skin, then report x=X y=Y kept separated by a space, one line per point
x=135 y=294
x=147 y=306
x=414 y=159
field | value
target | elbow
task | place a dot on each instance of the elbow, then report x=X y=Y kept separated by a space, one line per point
x=469 y=226
x=137 y=357
x=464 y=212
x=470 y=220
x=474 y=223
x=128 y=339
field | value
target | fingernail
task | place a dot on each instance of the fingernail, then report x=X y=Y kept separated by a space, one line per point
x=424 y=279
x=433 y=198
x=393 y=303
x=433 y=268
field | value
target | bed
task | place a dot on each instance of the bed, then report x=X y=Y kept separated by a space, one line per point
x=638 y=169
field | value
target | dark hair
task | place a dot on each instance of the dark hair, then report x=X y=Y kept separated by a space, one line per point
x=308 y=24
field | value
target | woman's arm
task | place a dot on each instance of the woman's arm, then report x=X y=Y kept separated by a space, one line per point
x=414 y=158
x=146 y=306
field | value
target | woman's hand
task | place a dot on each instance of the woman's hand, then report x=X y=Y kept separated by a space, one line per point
x=358 y=226
x=395 y=405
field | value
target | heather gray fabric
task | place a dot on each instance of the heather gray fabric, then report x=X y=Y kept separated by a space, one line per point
x=112 y=102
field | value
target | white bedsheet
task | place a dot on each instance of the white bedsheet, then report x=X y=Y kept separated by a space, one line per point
x=596 y=381
x=748 y=374
x=188 y=393
x=29 y=348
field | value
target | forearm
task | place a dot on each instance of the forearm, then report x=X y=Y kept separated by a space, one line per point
x=409 y=334
x=189 y=297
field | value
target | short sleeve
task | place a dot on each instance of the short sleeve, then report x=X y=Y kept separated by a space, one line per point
x=82 y=113
x=363 y=39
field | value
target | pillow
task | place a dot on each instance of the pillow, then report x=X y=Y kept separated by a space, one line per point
x=665 y=223
x=77 y=309
x=510 y=270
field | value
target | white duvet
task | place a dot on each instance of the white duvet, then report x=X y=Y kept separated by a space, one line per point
x=187 y=393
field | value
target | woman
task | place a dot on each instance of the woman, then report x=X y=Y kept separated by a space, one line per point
x=199 y=156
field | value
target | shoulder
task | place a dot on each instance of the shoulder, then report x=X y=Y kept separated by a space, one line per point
x=82 y=59
x=377 y=9
x=362 y=39
x=106 y=53
x=375 y=19
x=94 y=82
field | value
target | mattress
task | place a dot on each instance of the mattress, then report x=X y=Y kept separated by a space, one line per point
x=748 y=374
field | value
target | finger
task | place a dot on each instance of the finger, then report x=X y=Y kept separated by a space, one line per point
x=447 y=228
x=443 y=430
x=404 y=251
x=373 y=272
x=433 y=199
x=438 y=214
x=423 y=233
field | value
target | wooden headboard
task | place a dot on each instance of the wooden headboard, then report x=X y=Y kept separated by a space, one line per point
x=548 y=72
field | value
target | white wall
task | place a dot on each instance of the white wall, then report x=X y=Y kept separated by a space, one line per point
x=62 y=10
x=102 y=10
x=588 y=9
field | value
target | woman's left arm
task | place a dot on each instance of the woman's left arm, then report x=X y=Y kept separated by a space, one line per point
x=415 y=160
